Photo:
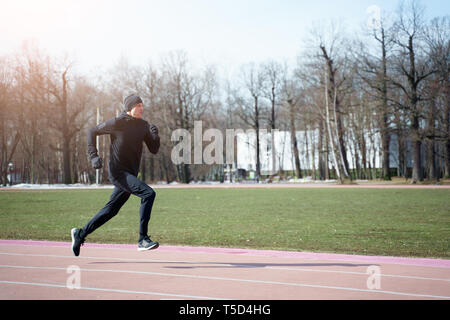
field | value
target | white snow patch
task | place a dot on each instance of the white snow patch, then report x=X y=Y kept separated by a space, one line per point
x=59 y=186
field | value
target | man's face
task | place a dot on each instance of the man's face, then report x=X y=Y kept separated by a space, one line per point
x=137 y=111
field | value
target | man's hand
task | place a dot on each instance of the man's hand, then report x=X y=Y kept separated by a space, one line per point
x=97 y=162
x=153 y=129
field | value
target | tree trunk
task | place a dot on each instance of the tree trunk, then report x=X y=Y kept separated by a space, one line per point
x=447 y=134
x=417 y=174
x=322 y=154
x=67 y=176
x=258 y=162
x=332 y=94
x=415 y=127
x=272 y=133
x=403 y=167
x=330 y=134
x=417 y=166
x=384 y=132
x=186 y=173
x=385 y=144
x=66 y=137
x=298 y=172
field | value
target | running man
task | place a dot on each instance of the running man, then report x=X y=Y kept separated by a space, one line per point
x=128 y=131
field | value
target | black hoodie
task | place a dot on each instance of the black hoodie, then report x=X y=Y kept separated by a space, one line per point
x=127 y=135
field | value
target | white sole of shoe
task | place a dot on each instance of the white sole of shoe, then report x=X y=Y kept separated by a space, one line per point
x=149 y=248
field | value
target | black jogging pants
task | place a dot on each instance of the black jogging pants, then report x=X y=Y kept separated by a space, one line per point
x=125 y=184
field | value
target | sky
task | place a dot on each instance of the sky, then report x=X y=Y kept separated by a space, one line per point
x=97 y=33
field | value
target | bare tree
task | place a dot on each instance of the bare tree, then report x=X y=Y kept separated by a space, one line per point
x=327 y=54
x=373 y=70
x=332 y=94
x=250 y=109
x=291 y=96
x=9 y=131
x=271 y=91
x=64 y=113
x=30 y=68
x=414 y=68
x=437 y=37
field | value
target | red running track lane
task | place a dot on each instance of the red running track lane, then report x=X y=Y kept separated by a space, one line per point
x=48 y=270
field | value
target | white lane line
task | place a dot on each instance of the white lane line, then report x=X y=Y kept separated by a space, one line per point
x=137 y=260
x=358 y=273
x=221 y=264
x=183 y=296
x=235 y=279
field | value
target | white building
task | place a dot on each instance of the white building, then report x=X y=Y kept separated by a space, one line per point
x=279 y=155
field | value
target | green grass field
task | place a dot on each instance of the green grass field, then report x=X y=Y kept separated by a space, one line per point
x=398 y=222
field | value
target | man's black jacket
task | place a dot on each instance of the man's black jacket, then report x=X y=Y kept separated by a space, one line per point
x=127 y=135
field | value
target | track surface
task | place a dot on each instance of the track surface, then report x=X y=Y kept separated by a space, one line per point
x=48 y=270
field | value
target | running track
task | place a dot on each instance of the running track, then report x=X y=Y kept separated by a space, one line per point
x=48 y=270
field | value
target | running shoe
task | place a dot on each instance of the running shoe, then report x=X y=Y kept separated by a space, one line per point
x=77 y=241
x=147 y=244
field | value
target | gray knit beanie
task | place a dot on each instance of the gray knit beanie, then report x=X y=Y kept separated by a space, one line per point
x=130 y=101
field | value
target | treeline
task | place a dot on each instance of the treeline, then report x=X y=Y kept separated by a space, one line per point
x=391 y=79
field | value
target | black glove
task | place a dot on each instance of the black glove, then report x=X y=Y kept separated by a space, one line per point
x=97 y=162
x=153 y=129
